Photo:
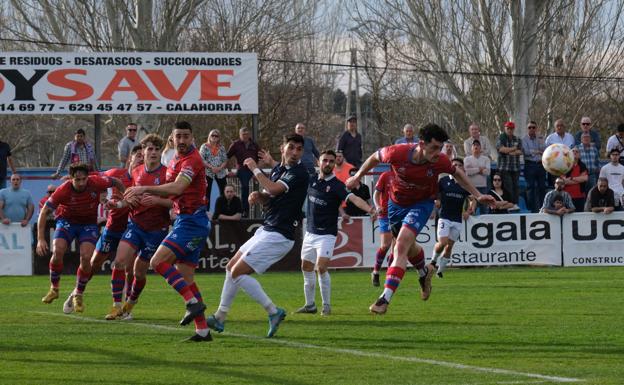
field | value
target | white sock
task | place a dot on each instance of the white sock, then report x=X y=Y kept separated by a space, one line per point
x=442 y=265
x=436 y=255
x=325 y=287
x=387 y=294
x=252 y=287
x=309 y=287
x=228 y=293
x=202 y=332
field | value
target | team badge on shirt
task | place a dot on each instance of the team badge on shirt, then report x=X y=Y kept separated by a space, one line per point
x=429 y=172
x=327 y=189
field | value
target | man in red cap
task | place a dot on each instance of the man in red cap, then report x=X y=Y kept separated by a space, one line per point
x=509 y=149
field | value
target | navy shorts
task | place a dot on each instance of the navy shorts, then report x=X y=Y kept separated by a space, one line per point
x=188 y=236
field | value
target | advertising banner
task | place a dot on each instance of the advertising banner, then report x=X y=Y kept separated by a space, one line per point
x=128 y=83
x=591 y=239
x=15 y=250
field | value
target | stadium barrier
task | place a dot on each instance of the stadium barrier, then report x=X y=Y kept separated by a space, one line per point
x=579 y=239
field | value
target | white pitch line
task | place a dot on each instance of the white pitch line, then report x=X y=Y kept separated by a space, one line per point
x=353 y=352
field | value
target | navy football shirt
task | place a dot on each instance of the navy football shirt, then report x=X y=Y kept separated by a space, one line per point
x=324 y=198
x=284 y=211
x=452 y=197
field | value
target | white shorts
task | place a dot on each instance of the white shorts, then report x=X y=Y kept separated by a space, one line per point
x=264 y=249
x=449 y=229
x=315 y=246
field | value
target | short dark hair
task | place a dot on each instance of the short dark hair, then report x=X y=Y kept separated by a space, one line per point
x=620 y=127
x=78 y=167
x=328 y=152
x=183 y=125
x=136 y=149
x=460 y=160
x=80 y=131
x=131 y=124
x=476 y=142
x=433 y=131
x=558 y=198
x=293 y=138
x=154 y=139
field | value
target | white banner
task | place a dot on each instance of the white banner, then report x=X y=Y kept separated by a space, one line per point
x=591 y=239
x=486 y=240
x=128 y=83
x=15 y=249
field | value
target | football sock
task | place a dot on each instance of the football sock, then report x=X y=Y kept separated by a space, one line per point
x=390 y=259
x=379 y=258
x=252 y=287
x=394 y=275
x=419 y=261
x=201 y=327
x=325 y=286
x=228 y=293
x=309 y=287
x=175 y=280
x=137 y=288
x=435 y=257
x=55 y=274
x=118 y=279
x=82 y=279
x=128 y=284
x=442 y=264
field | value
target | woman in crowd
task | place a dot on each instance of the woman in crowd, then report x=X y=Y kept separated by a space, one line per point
x=503 y=198
x=215 y=159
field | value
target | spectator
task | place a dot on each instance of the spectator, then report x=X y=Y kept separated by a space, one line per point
x=77 y=151
x=362 y=191
x=168 y=152
x=502 y=203
x=449 y=150
x=575 y=181
x=509 y=150
x=617 y=141
x=126 y=144
x=215 y=159
x=49 y=190
x=614 y=172
x=565 y=205
x=475 y=134
x=408 y=135
x=350 y=143
x=586 y=128
x=342 y=168
x=228 y=206
x=477 y=168
x=600 y=198
x=242 y=149
x=589 y=156
x=532 y=148
x=16 y=204
x=5 y=159
x=560 y=135
x=310 y=152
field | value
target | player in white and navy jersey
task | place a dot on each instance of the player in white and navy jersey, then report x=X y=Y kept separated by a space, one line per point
x=325 y=194
x=451 y=199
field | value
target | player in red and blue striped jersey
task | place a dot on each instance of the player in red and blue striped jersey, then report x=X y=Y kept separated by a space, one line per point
x=415 y=168
x=148 y=225
x=77 y=201
x=177 y=256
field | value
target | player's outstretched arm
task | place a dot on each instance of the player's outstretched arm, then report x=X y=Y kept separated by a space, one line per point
x=118 y=184
x=464 y=182
x=368 y=165
x=361 y=204
x=168 y=189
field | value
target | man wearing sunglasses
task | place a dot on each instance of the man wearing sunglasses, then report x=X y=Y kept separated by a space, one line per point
x=127 y=143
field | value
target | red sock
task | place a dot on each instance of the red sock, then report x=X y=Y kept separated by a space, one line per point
x=82 y=279
x=118 y=279
x=55 y=274
x=418 y=261
x=175 y=280
x=394 y=275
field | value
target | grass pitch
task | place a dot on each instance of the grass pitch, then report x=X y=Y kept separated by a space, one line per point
x=480 y=326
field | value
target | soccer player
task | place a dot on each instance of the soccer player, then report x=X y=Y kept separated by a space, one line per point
x=452 y=198
x=325 y=194
x=147 y=227
x=416 y=168
x=77 y=202
x=283 y=196
x=380 y=197
x=177 y=256
x=115 y=226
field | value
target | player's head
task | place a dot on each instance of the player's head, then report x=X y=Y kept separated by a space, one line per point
x=136 y=156
x=327 y=162
x=292 y=148
x=182 y=137
x=228 y=191
x=433 y=137
x=79 y=173
x=458 y=163
x=152 y=146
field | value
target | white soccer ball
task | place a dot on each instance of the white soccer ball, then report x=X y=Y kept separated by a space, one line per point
x=557 y=159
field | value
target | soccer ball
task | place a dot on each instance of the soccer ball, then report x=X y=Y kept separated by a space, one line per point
x=557 y=159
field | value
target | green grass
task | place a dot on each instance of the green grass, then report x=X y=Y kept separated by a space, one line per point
x=547 y=321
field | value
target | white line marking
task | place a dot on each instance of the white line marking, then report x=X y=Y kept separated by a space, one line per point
x=354 y=352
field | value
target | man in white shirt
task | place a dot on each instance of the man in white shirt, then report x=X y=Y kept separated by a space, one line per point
x=477 y=168
x=560 y=135
x=475 y=134
x=616 y=141
x=614 y=172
